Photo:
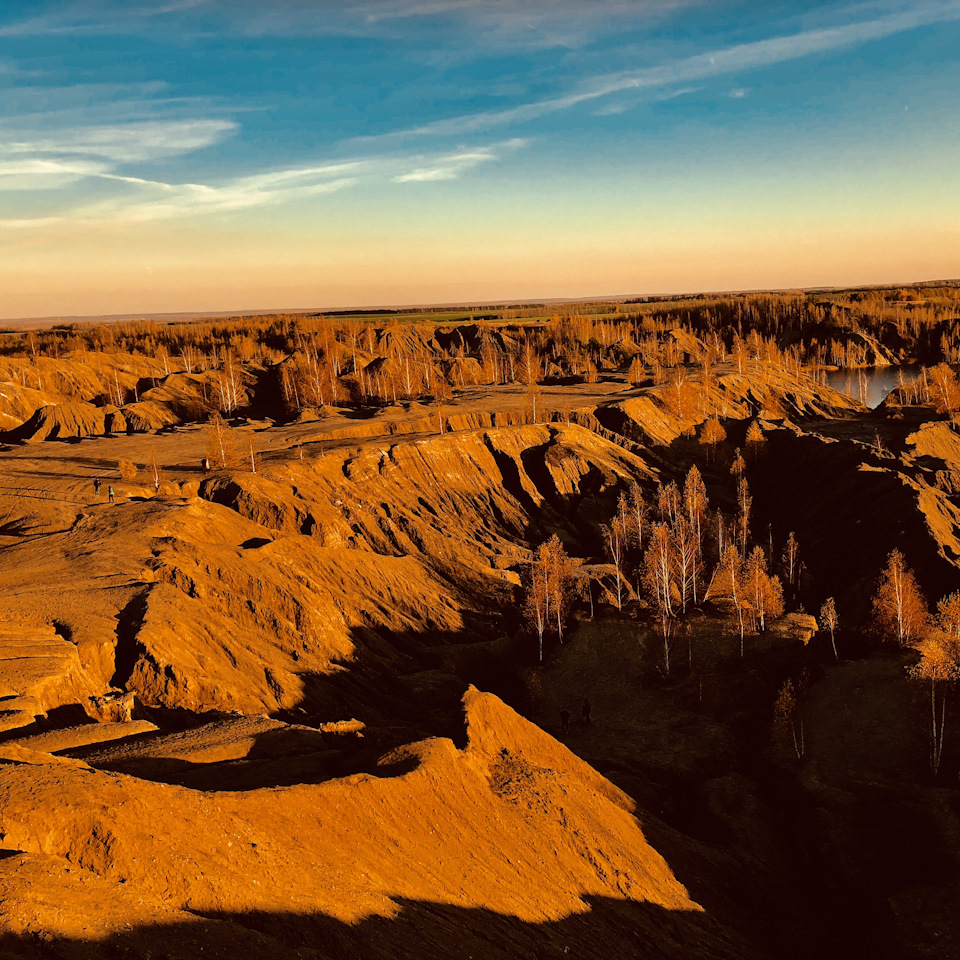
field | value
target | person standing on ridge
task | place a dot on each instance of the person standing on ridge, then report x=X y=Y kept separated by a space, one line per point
x=96 y=487
x=110 y=493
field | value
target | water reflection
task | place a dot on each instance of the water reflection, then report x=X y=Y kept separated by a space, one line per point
x=871 y=384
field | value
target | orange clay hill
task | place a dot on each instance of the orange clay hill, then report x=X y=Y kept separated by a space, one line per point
x=384 y=638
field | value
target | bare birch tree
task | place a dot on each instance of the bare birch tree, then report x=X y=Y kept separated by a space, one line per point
x=829 y=621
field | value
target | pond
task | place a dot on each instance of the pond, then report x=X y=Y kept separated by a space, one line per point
x=872 y=383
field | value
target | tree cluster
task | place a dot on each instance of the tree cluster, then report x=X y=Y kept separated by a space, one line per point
x=548 y=591
x=901 y=614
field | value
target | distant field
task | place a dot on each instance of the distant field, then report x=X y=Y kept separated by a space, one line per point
x=932 y=293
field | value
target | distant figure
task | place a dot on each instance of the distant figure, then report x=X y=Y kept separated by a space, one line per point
x=586 y=710
x=96 y=487
x=564 y=720
x=205 y=465
x=110 y=493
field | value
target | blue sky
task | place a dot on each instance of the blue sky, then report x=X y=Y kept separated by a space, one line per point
x=208 y=155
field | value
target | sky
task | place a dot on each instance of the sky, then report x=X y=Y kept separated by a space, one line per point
x=220 y=155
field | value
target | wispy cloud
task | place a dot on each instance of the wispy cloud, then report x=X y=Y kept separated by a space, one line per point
x=725 y=61
x=523 y=23
x=622 y=106
x=467 y=26
x=112 y=136
x=486 y=24
x=451 y=166
x=93 y=16
x=194 y=199
x=152 y=200
x=126 y=143
x=38 y=173
x=53 y=148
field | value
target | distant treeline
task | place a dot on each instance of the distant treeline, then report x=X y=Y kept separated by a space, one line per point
x=312 y=360
x=918 y=323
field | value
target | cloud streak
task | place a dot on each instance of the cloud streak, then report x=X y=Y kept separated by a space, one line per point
x=194 y=199
x=726 y=61
x=51 y=149
x=126 y=143
x=92 y=17
x=152 y=200
x=490 y=23
x=465 y=26
x=501 y=24
x=450 y=167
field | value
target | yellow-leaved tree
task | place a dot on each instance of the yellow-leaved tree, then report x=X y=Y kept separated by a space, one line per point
x=939 y=666
x=899 y=608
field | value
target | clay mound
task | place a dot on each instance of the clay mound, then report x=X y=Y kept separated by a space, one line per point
x=462 y=372
x=262 y=500
x=233 y=628
x=26 y=384
x=408 y=376
x=693 y=347
x=229 y=738
x=217 y=616
x=307 y=415
x=71 y=738
x=148 y=415
x=645 y=419
x=235 y=753
x=236 y=620
x=384 y=366
x=62 y=421
x=17 y=403
x=471 y=338
x=470 y=495
x=936 y=455
x=44 y=897
x=39 y=671
x=187 y=395
x=773 y=394
x=653 y=416
x=514 y=825
x=406 y=340
x=251 y=601
x=29 y=383
x=17 y=714
x=877 y=354
x=936 y=439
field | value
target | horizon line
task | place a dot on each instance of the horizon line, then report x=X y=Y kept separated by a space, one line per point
x=504 y=303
